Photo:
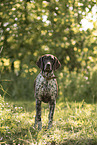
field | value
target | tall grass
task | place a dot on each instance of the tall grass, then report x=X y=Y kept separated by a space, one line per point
x=74 y=123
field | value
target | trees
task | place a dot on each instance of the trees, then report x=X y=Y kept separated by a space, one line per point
x=32 y=28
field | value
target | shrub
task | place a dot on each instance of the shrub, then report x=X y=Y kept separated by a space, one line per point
x=94 y=86
x=77 y=87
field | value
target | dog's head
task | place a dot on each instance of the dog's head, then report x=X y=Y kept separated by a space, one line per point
x=48 y=62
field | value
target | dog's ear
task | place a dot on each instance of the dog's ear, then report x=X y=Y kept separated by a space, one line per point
x=56 y=64
x=40 y=63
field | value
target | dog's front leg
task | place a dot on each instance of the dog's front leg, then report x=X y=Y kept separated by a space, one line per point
x=52 y=107
x=38 y=114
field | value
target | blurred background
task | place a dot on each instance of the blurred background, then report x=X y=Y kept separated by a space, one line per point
x=64 y=28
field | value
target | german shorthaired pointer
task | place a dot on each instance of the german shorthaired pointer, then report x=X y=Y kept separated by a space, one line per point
x=45 y=86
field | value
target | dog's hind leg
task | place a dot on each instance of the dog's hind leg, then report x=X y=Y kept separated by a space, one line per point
x=51 y=113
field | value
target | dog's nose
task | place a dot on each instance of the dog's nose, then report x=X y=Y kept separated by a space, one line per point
x=48 y=64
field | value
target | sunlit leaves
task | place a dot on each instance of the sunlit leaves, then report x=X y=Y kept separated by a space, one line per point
x=43 y=26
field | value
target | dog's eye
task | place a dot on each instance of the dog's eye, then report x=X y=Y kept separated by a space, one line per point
x=45 y=58
x=52 y=59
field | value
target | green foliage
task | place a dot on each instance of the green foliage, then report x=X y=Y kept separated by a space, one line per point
x=74 y=123
x=72 y=86
x=78 y=86
x=31 y=29
x=18 y=85
x=94 y=85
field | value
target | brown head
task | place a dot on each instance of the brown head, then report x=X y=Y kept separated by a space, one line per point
x=48 y=63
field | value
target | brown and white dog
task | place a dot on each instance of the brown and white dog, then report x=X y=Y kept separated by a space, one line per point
x=45 y=86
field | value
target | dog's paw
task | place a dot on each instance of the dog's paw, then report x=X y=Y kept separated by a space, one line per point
x=39 y=125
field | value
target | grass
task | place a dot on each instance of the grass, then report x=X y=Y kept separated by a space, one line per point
x=74 y=124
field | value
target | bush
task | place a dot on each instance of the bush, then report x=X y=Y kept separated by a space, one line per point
x=94 y=86
x=77 y=87
x=72 y=86
x=18 y=87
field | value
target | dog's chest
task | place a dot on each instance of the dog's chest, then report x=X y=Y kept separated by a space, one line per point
x=45 y=86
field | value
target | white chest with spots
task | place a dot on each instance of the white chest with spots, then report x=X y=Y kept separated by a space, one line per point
x=46 y=87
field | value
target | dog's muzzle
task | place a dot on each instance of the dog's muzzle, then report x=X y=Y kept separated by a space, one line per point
x=48 y=67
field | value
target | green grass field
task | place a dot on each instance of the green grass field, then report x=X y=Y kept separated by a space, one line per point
x=74 y=124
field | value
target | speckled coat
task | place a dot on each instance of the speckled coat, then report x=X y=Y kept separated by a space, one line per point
x=46 y=88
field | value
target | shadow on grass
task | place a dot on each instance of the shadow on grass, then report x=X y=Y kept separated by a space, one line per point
x=79 y=142
x=28 y=105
